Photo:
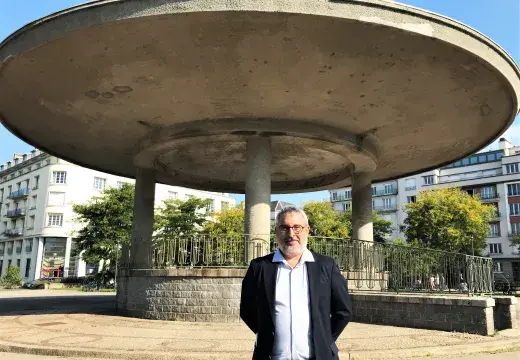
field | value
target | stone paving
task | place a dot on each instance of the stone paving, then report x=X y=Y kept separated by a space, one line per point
x=72 y=332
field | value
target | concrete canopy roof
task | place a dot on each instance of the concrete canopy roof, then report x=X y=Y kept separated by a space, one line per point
x=180 y=85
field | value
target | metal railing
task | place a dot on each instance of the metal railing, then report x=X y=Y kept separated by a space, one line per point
x=367 y=265
x=14 y=232
x=487 y=197
x=387 y=208
x=15 y=212
x=18 y=193
x=391 y=191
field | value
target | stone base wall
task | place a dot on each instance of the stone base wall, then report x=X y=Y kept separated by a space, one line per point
x=505 y=312
x=202 y=295
x=448 y=313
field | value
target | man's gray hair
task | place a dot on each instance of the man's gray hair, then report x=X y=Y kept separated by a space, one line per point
x=291 y=210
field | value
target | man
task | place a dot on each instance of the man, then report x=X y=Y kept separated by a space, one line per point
x=294 y=300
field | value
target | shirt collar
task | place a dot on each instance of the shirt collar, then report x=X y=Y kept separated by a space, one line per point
x=306 y=257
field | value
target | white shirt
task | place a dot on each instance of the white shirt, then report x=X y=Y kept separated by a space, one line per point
x=293 y=334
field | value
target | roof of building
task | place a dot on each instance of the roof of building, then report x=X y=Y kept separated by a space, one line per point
x=280 y=205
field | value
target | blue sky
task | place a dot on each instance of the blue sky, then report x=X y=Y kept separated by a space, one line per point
x=498 y=19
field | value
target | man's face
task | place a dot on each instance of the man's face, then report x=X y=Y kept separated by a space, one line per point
x=292 y=233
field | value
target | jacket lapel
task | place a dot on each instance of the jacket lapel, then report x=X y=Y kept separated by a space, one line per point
x=270 y=272
x=313 y=275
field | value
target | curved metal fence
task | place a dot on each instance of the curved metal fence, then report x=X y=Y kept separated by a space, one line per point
x=367 y=265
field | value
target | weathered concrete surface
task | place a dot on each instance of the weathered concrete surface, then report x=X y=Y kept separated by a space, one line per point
x=362 y=227
x=69 y=331
x=393 y=77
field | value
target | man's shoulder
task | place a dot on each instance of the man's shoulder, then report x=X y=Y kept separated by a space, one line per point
x=263 y=259
x=322 y=259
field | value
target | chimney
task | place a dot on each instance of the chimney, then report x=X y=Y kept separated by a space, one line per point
x=8 y=164
x=2 y=167
x=505 y=145
x=33 y=153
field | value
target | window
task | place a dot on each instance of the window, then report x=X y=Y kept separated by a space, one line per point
x=389 y=189
x=512 y=168
x=224 y=205
x=346 y=206
x=497 y=267
x=56 y=198
x=172 y=195
x=1 y=266
x=494 y=229
x=99 y=183
x=470 y=191
x=31 y=222
x=387 y=203
x=27 y=267
x=348 y=194
x=9 y=263
x=120 y=184
x=55 y=220
x=488 y=192
x=28 y=245
x=409 y=184
x=411 y=199
x=1 y=195
x=59 y=177
x=18 y=263
x=374 y=191
x=514 y=209
x=428 y=180
x=37 y=181
x=33 y=201
x=495 y=248
x=334 y=196
x=373 y=204
x=515 y=228
x=513 y=189
x=187 y=197
x=211 y=206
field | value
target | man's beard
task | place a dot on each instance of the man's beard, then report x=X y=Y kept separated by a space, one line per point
x=294 y=249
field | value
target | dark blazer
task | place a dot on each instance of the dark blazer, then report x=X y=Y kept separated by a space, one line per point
x=330 y=304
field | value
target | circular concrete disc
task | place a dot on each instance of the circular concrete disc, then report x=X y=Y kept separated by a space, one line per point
x=92 y=84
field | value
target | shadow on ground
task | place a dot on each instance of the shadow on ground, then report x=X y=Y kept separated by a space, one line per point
x=102 y=304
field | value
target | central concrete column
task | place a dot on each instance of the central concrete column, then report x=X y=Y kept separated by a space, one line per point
x=362 y=228
x=258 y=196
x=142 y=227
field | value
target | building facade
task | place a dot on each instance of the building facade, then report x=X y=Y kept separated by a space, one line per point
x=37 y=223
x=494 y=175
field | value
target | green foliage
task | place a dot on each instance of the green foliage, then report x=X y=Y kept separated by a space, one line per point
x=324 y=220
x=179 y=217
x=448 y=219
x=12 y=278
x=382 y=228
x=228 y=222
x=106 y=221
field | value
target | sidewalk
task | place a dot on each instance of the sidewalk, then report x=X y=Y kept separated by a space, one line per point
x=72 y=332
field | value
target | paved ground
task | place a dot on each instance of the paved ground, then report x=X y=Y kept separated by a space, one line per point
x=83 y=325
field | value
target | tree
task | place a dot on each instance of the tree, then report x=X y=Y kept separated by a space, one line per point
x=228 y=222
x=178 y=217
x=106 y=224
x=12 y=278
x=448 y=219
x=325 y=221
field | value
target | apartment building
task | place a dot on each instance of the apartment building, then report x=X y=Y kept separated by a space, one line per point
x=37 y=224
x=495 y=175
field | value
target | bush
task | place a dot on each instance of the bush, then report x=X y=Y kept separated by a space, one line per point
x=12 y=278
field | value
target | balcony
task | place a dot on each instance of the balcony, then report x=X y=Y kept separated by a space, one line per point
x=392 y=191
x=383 y=209
x=470 y=175
x=489 y=197
x=14 y=232
x=18 y=194
x=340 y=197
x=409 y=188
x=19 y=250
x=15 y=213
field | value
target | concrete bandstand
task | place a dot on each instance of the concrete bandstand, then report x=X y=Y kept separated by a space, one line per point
x=254 y=97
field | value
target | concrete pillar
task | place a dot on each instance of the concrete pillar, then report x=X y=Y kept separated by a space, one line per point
x=68 y=246
x=38 y=244
x=362 y=228
x=258 y=196
x=142 y=228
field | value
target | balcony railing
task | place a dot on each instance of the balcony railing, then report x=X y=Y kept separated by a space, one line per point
x=408 y=188
x=470 y=175
x=489 y=197
x=14 y=232
x=392 y=191
x=340 y=197
x=19 y=194
x=367 y=265
x=382 y=209
x=15 y=213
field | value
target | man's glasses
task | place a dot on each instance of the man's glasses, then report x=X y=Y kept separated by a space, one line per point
x=286 y=229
